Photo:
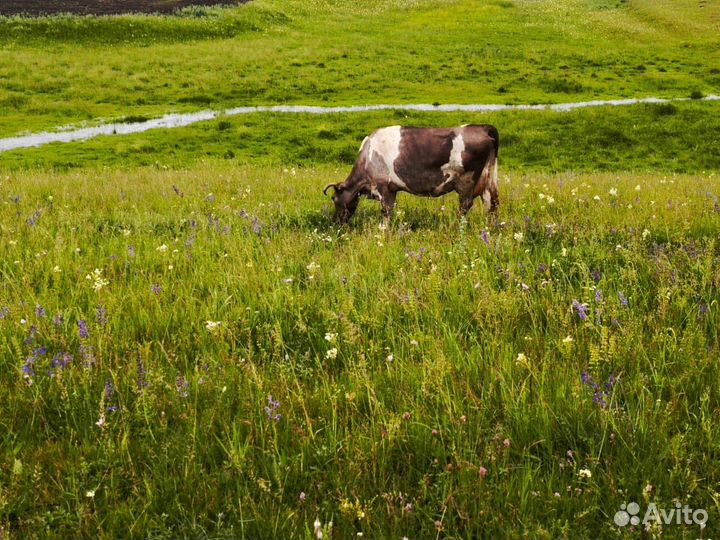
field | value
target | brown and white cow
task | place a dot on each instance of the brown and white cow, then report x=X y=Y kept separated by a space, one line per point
x=422 y=161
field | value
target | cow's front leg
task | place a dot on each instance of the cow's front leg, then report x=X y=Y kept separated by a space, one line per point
x=387 y=200
x=466 y=203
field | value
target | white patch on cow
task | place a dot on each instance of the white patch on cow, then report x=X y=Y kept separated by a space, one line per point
x=454 y=167
x=375 y=193
x=363 y=143
x=486 y=199
x=495 y=176
x=385 y=143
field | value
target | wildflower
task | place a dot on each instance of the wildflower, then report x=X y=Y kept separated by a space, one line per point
x=131 y=251
x=181 y=384
x=141 y=374
x=568 y=340
x=288 y=281
x=331 y=354
x=598 y=295
x=83 y=329
x=519 y=236
x=156 y=289
x=98 y=282
x=101 y=421
x=581 y=309
x=506 y=443
x=482 y=471
x=58 y=320
x=484 y=236
x=213 y=326
x=645 y=234
x=390 y=358
x=271 y=409
x=32 y=220
x=90 y=493
x=550 y=200
x=57 y=269
x=521 y=358
x=302 y=496
x=585 y=473
x=596 y=198
x=623 y=299
x=4 y=312
x=330 y=337
x=318 y=529
x=637 y=188
x=162 y=248
x=313 y=266
x=101 y=315
x=406 y=416
x=40 y=311
x=613 y=192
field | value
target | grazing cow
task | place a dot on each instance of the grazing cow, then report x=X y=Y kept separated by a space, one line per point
x=422 y=161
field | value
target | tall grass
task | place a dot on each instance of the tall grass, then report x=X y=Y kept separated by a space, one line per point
x=426 y=379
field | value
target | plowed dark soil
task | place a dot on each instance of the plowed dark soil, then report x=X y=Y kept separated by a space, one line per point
x=102 y=7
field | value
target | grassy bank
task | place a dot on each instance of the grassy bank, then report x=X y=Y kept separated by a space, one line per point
x=426 y=379
x=680 y=137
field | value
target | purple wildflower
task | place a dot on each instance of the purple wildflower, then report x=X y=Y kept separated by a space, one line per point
x=181 y=383
x=4 y=312
x=704 y=309
x=31 y=335
x=32 y=220
x=83 y=329
x=40 y=311
x=155 y=288
x=598 y=295
x=88 y=355
x=131 y=251
x=271 y=409
x=141 y=374
x=581 y=309
x=484 y=236
x=623 y=299
x=596 y=276
x=101 y=315
x=256 y=226
x=62 y=360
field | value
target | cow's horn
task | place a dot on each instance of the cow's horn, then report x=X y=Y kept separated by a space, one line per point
x=334 y=186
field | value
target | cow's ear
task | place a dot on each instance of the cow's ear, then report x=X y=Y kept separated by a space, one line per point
x=334 y=186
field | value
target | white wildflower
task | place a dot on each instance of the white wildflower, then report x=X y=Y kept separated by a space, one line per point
x=162 y=248
x=331 y=354
x=585 y=473
x=645 y=234
x=568 y=339
x=330 y=337
x=97 y=279
x=613 y=192
x=519 y=236
x=213 y=326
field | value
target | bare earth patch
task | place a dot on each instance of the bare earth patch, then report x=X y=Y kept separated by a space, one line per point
x=102 y=7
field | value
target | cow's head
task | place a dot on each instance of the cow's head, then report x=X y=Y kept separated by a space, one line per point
x=346 y=200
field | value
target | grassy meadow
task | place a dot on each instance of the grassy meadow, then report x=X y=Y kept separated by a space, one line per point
x=191 y=348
